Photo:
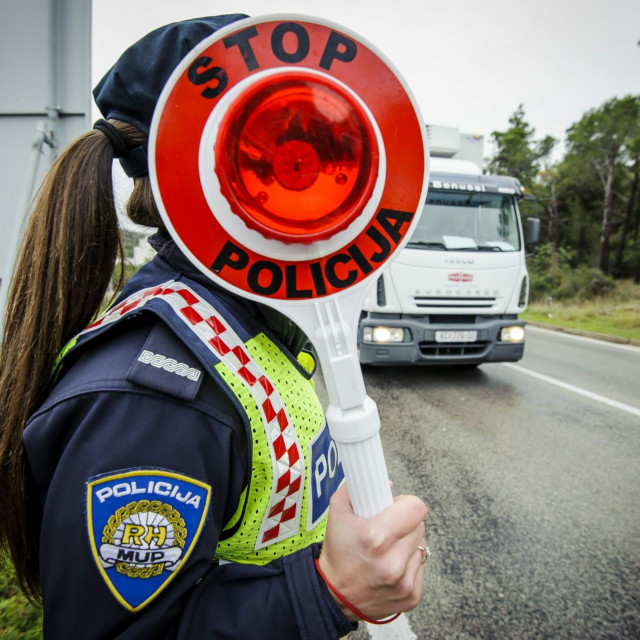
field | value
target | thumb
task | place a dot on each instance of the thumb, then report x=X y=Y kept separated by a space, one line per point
x=341 y=500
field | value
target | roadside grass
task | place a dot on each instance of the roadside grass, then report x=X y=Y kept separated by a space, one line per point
x=19 y=620
x=616 y=314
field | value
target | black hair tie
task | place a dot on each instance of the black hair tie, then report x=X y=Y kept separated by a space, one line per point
x=115 y=137
x=132 y=158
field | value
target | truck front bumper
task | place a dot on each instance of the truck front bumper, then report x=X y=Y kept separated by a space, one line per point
x=420 y=345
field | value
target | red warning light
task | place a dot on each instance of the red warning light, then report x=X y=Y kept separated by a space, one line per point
x=296 y=157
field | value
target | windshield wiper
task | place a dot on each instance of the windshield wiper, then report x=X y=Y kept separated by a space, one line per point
x=488 y=248
x=431 y=245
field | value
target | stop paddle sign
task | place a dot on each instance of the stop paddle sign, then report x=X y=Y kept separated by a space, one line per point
x=288 y=161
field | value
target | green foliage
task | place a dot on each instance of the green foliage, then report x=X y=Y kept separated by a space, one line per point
x=554 y=276
x=517 y=153
x=590 y=199
x=19 y=620
x=616 y=314
x=608 y=132
x=631 y=258
x=607 y=140
x=129 y=270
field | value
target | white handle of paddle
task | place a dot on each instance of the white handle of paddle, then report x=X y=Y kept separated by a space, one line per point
x=352 y=415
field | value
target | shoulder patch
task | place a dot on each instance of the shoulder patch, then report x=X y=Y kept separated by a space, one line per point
x=166 y=365
x=143 y=525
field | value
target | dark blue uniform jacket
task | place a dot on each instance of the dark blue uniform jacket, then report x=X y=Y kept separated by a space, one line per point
x=106 y=414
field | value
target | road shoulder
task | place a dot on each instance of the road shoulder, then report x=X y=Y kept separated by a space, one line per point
x=584 y=334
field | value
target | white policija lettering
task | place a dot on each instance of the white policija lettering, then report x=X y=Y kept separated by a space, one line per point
x=159 y=488
x=169 y=364
x=326 y=464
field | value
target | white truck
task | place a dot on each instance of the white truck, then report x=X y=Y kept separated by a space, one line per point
x=453 y=295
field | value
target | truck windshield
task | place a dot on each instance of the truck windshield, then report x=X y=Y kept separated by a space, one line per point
x=467 y=222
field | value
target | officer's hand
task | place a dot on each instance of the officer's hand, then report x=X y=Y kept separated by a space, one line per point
x=375 y=563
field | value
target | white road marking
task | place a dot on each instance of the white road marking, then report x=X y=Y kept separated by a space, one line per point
x=569 y=387
x=594 y=341
x=399 y=629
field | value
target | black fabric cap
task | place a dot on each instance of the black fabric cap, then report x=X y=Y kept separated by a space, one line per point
x=130 y=89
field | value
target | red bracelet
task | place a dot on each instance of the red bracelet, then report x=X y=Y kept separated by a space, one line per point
x=349 y=606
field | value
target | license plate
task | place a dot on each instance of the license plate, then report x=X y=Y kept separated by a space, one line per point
x=456 y=336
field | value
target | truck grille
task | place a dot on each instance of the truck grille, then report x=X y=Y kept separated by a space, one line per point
x=432 y=348
x=459 y=303
x=449 y=319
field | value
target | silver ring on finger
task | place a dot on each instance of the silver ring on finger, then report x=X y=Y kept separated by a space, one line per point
x=424 y=551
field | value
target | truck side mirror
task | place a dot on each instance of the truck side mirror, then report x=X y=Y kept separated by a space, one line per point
x=532 y=234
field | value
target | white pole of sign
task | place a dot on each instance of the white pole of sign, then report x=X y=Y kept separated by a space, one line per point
x=352 y=415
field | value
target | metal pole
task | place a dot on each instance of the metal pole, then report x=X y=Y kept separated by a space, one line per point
x=39 y=137
x=45 y=133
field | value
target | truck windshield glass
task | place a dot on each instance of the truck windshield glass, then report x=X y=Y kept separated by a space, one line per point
x=467 y=222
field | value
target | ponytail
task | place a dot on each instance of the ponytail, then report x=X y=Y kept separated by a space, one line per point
x=66 y=262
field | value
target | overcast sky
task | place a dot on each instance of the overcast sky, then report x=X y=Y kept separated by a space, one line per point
x=469 y=63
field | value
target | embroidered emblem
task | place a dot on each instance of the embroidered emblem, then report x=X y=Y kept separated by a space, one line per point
x=169 y=364
x=143 y=525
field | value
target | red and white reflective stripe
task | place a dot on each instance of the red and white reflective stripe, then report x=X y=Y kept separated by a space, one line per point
x=282 y=518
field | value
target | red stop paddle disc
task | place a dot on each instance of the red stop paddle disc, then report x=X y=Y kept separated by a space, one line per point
x=287 y=158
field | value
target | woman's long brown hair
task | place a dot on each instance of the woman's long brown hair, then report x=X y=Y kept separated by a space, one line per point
x=64 y=268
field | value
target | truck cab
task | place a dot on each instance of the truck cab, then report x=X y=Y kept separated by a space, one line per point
x=454 y=293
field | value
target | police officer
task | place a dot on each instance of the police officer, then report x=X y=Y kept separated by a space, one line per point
x=158 y=483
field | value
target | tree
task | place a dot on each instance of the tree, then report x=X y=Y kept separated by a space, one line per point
x=632 y=207
x=605 y=136
x=548 y=183
x=517 y=153
x=579 y=202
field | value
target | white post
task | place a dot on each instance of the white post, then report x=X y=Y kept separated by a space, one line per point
x=352 y=415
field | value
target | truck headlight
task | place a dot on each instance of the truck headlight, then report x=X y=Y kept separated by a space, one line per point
x=383 y=334
x=512 y=334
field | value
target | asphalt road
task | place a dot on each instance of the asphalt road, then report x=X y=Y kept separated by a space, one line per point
x=532 y=477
